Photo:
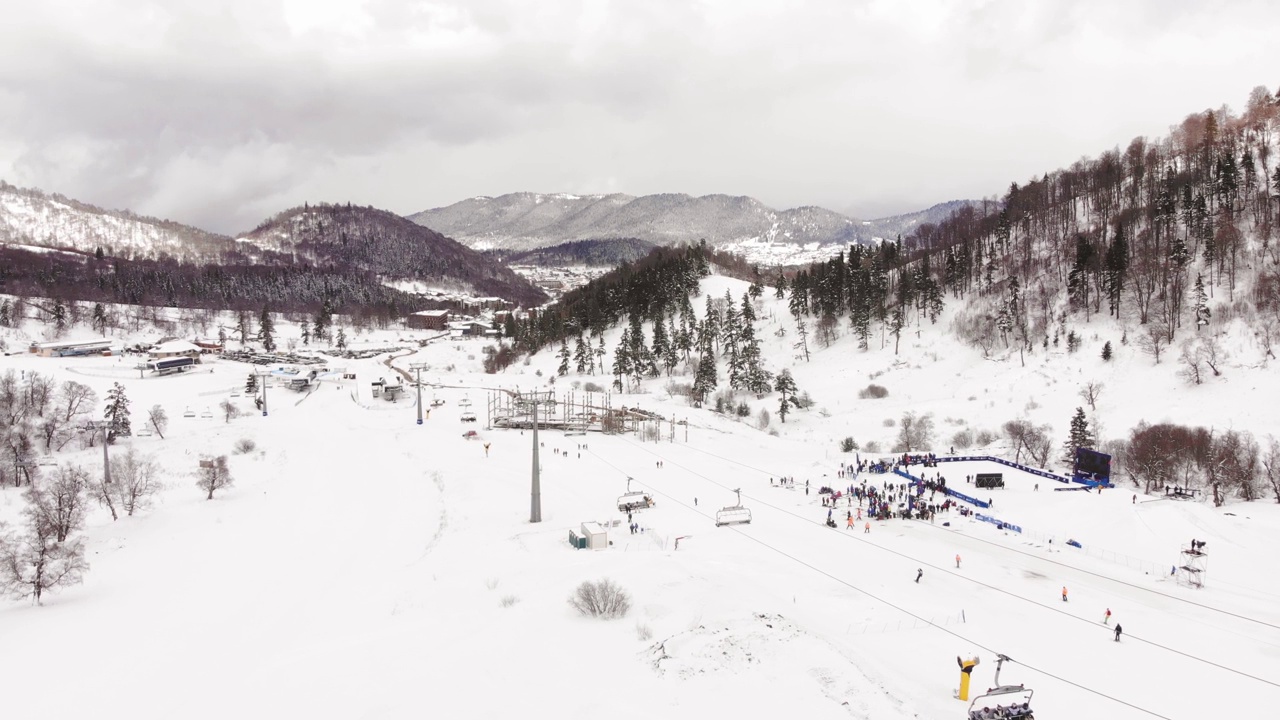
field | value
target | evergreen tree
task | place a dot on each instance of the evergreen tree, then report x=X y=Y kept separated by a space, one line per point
x=117 y=413
x=582 y=356
x=786 y=386
x=320 y=324
x=780 y=286
x=711 y=326
x=222 y=337
x=564 y=356
x=306 y=332
x=99 y=318
x=661 y=341
x=6 y=313
x=242 y=326
x=671 y=358
x=1080 y=436
x=266 y=330
x=895 y=327
x=341 y=340
x=59 y=316
x=622 y=360
x=1202 y=304
x=600 y=353
x=802 y=345
x=1106 y=351
x=704 y=381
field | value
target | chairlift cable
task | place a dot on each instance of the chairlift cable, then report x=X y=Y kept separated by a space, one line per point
x=877 y=598
x=1167 y=596
x=1000 y=590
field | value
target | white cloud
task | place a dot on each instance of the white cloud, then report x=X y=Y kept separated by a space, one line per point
x=210 y=112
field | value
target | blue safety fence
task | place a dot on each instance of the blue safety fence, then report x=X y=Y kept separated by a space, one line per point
x=947 y=490
x=1024 y=468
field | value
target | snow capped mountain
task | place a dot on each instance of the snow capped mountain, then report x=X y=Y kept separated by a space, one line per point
x=33 y=218
x=529 y=220
x=744 y=225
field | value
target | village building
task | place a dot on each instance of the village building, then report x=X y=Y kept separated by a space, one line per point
x=429 y=320
x=173 y=349
x=101 y=346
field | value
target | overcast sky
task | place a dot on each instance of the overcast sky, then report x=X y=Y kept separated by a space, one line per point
x=219 y=113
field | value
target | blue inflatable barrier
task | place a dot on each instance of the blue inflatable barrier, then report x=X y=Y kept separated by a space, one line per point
x=1073 y=543
x=998 y=522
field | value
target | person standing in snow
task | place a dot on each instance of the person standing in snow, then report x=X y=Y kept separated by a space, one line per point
x=1118 y=632
x=957 y=560
x=1064 y=593
x=919 y=574
x=1106 y=619
x=866 y=528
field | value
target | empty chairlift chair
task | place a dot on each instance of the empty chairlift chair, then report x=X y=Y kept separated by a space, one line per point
x=734 y=514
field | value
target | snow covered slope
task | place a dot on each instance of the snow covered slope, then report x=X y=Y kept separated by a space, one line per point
x=365 y=566
x=30 y=217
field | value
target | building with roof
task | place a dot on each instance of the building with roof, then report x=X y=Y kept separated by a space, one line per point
x=428 y=320
x=69 y=349
x=174 y=348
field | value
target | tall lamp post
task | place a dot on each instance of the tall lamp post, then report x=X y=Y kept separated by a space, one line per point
x=417 y=368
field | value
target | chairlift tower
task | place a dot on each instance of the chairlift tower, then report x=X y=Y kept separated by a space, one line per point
x=417 y=368
x=531 y=401
x=1193 y=565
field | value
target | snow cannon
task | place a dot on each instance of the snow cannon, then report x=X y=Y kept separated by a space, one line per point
x=966 y=669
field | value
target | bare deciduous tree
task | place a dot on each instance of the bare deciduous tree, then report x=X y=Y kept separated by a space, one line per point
x=1091 y=391
x=159 y=420
x=603 y=599
x=1271 y=465
x=213 y=475
x=1192 y=359
x=134 y=481
x=229 y=410
x=34 y=563
x=915 y=432
x=1152 y=342
x=59 y=504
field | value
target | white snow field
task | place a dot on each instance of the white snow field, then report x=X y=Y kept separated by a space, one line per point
x=366 y=567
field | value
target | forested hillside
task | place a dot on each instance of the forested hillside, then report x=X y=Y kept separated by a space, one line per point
x=594 y=252
x=380 y=242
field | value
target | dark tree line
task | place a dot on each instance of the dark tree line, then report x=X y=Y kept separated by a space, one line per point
x=171 y=283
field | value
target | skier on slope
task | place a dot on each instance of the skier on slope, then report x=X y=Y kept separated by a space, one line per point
x=1118 y=631
x=1106 y=619
x=919 y=574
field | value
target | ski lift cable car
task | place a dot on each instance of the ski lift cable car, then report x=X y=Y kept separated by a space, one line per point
x=734 y=514
x=1013 y=700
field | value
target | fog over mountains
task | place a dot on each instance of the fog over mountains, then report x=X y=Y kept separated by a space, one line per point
x=521 y=221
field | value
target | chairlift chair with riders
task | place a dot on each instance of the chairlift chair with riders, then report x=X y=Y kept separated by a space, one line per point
x=734 y=514
x=1011 y=702
x=633 y=501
